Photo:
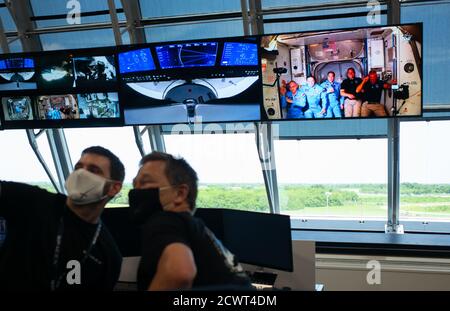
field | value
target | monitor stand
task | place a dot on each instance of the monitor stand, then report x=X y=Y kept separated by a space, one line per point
x=262 y=279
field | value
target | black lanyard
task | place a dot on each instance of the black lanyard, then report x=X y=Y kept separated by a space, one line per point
x=56 y=280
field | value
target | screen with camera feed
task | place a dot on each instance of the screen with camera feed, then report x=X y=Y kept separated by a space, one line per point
x=197 y=81
x=17 y=73
x=369 y=72
x=60 y=89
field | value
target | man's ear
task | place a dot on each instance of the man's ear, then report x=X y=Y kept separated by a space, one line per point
x=114 y=189
x=182 y=193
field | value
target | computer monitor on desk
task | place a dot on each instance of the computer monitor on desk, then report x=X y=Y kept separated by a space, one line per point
x=259 y=239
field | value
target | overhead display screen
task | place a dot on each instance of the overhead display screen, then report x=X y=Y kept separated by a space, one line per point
x=195 y=54
x=17 y=108
x=56 y=71
x=17 y=73
x=94 y=70
x=366 y=72
x=371 y=72
x=240 y=54
x=137 y=60
x=72 y=88
x=216 y=81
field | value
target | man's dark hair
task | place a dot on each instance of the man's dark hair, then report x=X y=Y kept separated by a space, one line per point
x=373 y=72
x=178 y=172
x=331 y=72
x=115 y=165
x=352 y=69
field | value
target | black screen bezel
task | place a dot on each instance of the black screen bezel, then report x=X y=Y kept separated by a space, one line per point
x=176 y=71
x=264 y=118
x=76 y=123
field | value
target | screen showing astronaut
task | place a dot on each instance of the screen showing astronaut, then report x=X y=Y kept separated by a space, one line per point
x=94 y=71
x=352 y=73
x=57 y=107
x=56 y=72
x=53 y=89
x=17 y=108
x=17 y=73
x=98 y=105
x=213 y=81
x=82 y=72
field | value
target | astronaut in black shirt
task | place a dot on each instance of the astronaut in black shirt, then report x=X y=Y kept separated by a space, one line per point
x=178 y=250
x=371 y=88
x=58 y=242
x=352 y=99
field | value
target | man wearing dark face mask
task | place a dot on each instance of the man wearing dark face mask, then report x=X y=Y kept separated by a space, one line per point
x=178 y=252
x=58 y=242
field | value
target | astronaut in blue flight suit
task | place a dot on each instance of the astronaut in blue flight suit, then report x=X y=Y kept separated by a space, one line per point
x=293 y=100
x=316 y=99
x=333 y=93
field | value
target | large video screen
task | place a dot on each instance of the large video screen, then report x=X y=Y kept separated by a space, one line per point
x=17 y=73
x=73 y=88
x=136 y=60
x=17 y=108
x=94 y=70
x=70 y=71
x=182 y=55
x=185 y=82
x=372 y=72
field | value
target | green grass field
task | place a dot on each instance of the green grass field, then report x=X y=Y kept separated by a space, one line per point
x=351 y=200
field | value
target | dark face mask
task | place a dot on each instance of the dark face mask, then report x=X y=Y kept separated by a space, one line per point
x=143 y=204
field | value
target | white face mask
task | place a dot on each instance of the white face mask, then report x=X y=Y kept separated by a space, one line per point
x=84 y=187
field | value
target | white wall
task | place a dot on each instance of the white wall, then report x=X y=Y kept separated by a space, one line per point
x=349 y=273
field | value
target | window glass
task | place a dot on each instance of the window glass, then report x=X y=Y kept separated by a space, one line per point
x=228 y=168
x=18 y=161
x=182 y=7
x=436 y=30
x=281 y=3
x=67 y=10
x=332 y=179
x=425 y=171
x=324 y=24
x=80 y=39
x=194 y=31
x=15 y=46
x=7 y=20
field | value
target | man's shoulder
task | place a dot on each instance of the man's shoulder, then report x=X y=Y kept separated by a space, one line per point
x=28 y=191
x=165 y=221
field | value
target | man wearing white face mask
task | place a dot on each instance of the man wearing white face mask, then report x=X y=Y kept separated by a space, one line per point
x=58 y=242
x=178 y=251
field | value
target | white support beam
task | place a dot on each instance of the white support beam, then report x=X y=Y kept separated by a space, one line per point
x=133 y=15
x=137 y=35
x=3 y=39
x=393 y=224
x=115 y=22
x=21 y=13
